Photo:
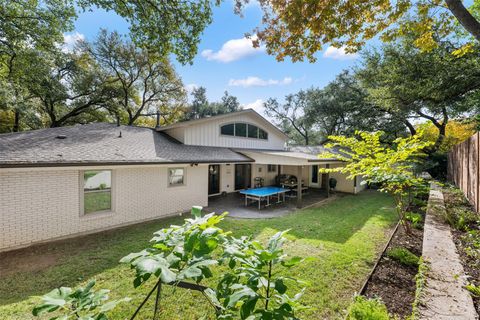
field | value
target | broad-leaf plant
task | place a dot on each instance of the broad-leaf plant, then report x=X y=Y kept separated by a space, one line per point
x=180 y=252
x=253 y=284
x=255 y=287
x=389 y=166
x=83 y=303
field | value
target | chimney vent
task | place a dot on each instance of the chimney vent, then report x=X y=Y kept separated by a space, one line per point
x=158 y=120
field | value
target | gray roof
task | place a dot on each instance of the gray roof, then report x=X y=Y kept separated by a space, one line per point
x=100 y=143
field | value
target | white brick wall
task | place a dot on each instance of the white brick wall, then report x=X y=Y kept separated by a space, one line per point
x=39 y=205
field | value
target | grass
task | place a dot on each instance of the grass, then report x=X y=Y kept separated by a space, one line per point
x=404 y=256
x=344 y=236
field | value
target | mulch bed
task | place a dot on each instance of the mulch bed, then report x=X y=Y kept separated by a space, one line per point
x=393 y=282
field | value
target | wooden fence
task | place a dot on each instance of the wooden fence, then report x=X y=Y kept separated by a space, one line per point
x=464 y=168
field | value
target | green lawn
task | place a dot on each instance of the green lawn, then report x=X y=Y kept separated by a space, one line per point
x=344 y=236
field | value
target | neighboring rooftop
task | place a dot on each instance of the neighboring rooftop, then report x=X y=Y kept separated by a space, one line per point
x=103 y=143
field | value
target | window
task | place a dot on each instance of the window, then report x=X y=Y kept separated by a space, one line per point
x=176 y=177
x=315 y=173
x=228 y=129
x=240 y=129
x=262 y=134
x=252 y=131
x=97 y=191
x=272 y=168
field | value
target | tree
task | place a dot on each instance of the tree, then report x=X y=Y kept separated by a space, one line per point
x=291 y=116
x=392 y=167
x=229 y=103
x=200 y=107
x=161 y=26
x=433 y=86
x=145 y=81
x=342 y=107
x=299 y=29
x=66 y=86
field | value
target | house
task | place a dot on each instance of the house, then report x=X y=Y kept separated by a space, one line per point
x=60 y=182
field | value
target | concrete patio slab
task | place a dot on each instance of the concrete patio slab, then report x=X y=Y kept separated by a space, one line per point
x=444 y=295
x=234 y=203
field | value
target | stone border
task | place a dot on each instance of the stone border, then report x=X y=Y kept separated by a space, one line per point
x=444 y=296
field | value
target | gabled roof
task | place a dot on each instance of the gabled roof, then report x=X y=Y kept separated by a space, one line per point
x=104 y=144
x=222 y=116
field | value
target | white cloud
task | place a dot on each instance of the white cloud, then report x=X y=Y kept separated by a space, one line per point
x=256 y=105
x=233 y=50
x=69 y=41
x=258 y=82
x=338 y=54
x=190 y=87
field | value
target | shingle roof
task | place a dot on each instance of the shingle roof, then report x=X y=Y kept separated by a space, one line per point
x=100 y=143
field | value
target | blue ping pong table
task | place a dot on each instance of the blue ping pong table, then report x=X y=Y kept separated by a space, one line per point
x=260 y=194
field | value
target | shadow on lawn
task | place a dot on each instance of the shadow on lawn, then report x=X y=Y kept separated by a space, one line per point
x=75 y=260
x=71 y=261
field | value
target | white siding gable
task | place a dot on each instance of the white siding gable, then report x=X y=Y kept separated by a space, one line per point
x=207 y=133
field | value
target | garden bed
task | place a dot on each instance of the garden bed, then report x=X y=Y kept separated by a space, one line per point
x=466 y=235
x=393 y=280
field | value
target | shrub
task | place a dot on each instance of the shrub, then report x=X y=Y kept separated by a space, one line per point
x=415 y=219
x=403 y=256
x=460 y=218
x=83 y=303
x=367 y=309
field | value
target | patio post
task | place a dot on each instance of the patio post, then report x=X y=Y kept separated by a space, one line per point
x=299 y=186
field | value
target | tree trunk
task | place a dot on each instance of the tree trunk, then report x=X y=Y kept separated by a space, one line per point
x=464 y=17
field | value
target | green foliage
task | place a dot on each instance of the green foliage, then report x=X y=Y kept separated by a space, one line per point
x=404 y=256
x=342 y=232
x=83 y=303
x=435 y=86
x=254 y=286
x=471 y=242
x=392 y=167
x=180 y=252
x=420 y=282
x=460 y=218
x=473 y=289
x=200 y=107
x=415 y=219
x=367 y=309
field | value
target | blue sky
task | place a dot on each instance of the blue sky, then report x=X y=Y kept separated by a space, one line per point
x=226 y=61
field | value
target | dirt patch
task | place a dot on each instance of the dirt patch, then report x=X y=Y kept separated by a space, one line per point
x=392 y=281
x=26 y=261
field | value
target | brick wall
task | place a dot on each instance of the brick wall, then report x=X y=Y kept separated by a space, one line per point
x=40 y=205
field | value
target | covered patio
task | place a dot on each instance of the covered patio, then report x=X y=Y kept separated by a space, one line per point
x=234 y=203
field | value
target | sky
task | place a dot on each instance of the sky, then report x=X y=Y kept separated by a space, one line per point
x=226 y=60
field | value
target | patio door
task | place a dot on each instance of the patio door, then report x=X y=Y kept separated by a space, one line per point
x=213 y=179
x=243 y=176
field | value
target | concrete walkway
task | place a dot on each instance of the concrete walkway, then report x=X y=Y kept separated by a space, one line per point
x=444 y=296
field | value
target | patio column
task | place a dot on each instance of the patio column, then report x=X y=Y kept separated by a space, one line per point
x=299 y=186
x=327 y=177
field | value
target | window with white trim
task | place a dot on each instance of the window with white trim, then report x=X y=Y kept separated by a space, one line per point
x=97 y=191
x=245 y=130
x=176 y=177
